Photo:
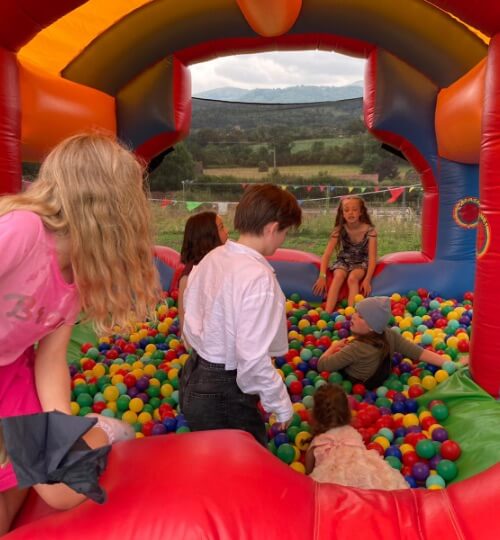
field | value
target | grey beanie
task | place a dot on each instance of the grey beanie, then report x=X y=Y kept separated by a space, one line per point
x=376 y=311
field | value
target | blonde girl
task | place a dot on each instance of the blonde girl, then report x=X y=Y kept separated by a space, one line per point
x=78 y=239
x=355 y=239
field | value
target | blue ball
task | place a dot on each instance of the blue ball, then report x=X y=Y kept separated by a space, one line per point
x=398 y=407
x=393 y=451
x=170 y=424
x=280 y=438
x=411 y=481
x=411 y=406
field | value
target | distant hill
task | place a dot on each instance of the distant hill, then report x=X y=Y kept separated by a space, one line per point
x=291 y=94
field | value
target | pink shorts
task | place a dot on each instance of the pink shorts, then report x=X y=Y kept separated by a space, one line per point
x=18 y=396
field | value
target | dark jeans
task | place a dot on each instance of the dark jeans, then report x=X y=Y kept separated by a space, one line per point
x=211 y=399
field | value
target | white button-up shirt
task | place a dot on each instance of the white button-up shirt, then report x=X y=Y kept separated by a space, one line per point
x=235 y=315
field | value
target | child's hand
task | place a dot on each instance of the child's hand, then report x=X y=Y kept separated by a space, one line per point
x=319 y=286
x=334 y=347
x=366 y=287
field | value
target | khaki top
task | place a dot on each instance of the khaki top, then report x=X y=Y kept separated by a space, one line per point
x=360 y=360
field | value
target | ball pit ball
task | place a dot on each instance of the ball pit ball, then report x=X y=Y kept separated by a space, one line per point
x=420 y=471
x=447 y=469
x=425 y=449
x=440 y=412
x=286 y=453
x=435 y=481
x=450 y=450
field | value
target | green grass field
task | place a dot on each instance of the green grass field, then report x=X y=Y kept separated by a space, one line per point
x=305 y=144
x=393 y=235
x=291 y=170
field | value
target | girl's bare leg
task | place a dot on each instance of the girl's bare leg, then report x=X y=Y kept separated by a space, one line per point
x=353 y=280
x=333 y=292
x=10 y=504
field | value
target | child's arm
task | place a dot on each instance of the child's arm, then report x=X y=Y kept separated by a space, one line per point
x=310 y=460
x=52 y=377
x=366 y=284
x=417 y=353
x=180 y=302
x=319 y=286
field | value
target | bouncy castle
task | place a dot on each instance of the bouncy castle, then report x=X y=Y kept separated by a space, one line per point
x=432 y=91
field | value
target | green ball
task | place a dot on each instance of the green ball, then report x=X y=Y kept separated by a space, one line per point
x=122 y=402
x=85 y=400
x=447 y=470
x=80 y=389
x=182 y=429
x=286 y=453
x=347 y=386
x=295 y=297
x=319 y=382
x=148 y=408
x=308 y=390
x=295 y=421
x=292 y=432
x=84 y=411
x=108 y=412
x=286 y=369
x=137 y=427
x=92 y=389
x=335 y=378
x=440 y=412
x=411 y=307
x=383 y=402
x=161 y=375
x=93 y=353
x=153 y=391
x=425 y=449
x=272 y=447
x=295 y=344
x=304 y=426
x=308 y=401
x=394 y=462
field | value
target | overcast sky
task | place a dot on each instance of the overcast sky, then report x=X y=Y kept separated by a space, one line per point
x=277 y=70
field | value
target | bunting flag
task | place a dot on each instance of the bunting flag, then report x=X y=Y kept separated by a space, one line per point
x=363 y=189
x=322 y=188
x=192 y=205
x=300 y=201
x=395 y=192
x=166 y=202
x=309 y=188
x=350 y=189
x=284 y=187
x=331 y=188
x=411 y=189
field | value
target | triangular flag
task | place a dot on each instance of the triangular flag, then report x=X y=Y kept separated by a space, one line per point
x=300 y=201
x=331 y=188
x=363 y=189
x=309 y=188
x=191 y=205
x=411 y=189
x=283 y=187
x=350 y=189
x=395 y=192
x=322 y=188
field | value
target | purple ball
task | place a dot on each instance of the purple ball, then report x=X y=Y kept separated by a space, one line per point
x=398 y=396
x=384 y=411
x=405 y=368
x=274 y=430
x=420 y=471
x=158 y=429
x=132 y=392
x=440 y=435
x=73 y=370
x=142 y=383
x=295 y=398
x=346 y=325
x=434 y=461
x=143 y=397
x=313 y=364
x=343 y=333
x=397 y=357
x=414 y=429
x=429 y=323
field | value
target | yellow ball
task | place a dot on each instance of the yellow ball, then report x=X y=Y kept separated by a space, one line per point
x=104 y=339
x=384 y=443
x=405 y=447
x=321 y=324
x=113 y=368
x=410 y=420
x=424 y=414
x=172 y=374
x=413 y=380
x=302 y=440
x=163 y=327
x=139 y=435
x=137 y=373
x=288 y=306
x=349 y=311
x=396 y=297
x=407 y=335
x=150 y=370
x=312 y=312
x=134 y=338
x=129 y=417
x=297 y=466
x=156 y=415
x=433 y=427
x=117 y=378
x=162 y=309
x=303 y=323
x=144 y=417
x=298 y=407
x=136 y=405
x=453 y=315
x=111 y=405
x=98 y=370
x=397 y=416
x=154 y=382
x=174 y=343
x=358 y=298
x=293 y=334
x=143 y=333
x=429 y=382
x=150 y=347
x=137 y=365
x=441 y=375
x=75 y=408
x=111 y=393
x=452 y=341
x=183 y=357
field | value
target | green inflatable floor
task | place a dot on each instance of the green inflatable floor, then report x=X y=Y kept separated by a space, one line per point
x=474 y=422
x=82 y=333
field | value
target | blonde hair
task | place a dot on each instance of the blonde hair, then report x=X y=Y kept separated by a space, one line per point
x=90 y=188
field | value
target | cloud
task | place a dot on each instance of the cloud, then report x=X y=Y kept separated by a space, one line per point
x=277 y=70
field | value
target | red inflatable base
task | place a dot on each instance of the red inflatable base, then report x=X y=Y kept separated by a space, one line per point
x=223 y=485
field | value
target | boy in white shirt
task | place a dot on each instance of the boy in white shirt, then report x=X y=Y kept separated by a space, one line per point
x=235 y=321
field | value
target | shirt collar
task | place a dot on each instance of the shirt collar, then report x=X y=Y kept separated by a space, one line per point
x=240 y=248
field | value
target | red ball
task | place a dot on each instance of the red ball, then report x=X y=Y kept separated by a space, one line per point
x=409 y=458
x=415 y=391
x=435 y=402
x=85 y=347
x=377 y=447
x=450 y=450
x=295 y=388
x=112 y=354
x=129 y=380
x=147 y=428
x=427 y=422
x=469 y=296
x=88 y=364
x=98 y=407
x=422 y=293
x=129 y=348
x=299 y=374
x=304 y=415
x=413 y=438
x=385 y=421
x=463 y=345
x=359 y=389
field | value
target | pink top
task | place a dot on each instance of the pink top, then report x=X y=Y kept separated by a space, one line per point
x=34 y=298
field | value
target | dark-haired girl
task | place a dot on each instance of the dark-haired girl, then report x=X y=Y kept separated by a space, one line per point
x=337 y=453
x=355 y=239
x=202 y=233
